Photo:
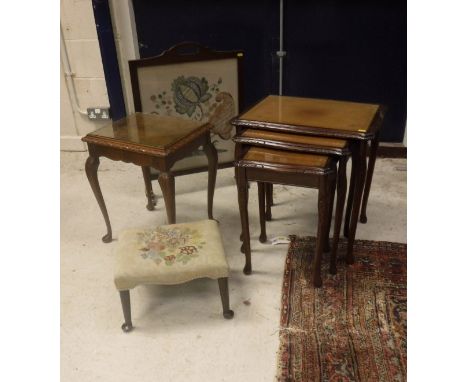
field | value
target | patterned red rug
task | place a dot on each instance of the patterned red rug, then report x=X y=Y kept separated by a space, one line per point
x=354 y=327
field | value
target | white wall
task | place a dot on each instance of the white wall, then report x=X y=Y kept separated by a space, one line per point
x=87 y=82
x=82 y=49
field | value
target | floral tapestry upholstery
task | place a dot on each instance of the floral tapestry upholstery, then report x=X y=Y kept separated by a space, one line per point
x=170 y=254
x=205 y=91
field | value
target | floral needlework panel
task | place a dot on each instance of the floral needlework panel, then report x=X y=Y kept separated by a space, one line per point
x=205 y=91
x=170 y=254
x=169 y=245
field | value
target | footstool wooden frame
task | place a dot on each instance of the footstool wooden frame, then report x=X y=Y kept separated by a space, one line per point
x=168 y=255
x=297 y=169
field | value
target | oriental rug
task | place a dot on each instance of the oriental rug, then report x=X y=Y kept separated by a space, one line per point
x=354 y=327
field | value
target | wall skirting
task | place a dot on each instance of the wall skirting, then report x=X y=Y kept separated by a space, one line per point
x=71 y=143
x=389 y=150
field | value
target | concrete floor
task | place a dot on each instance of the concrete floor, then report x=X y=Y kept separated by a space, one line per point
x=180 y=334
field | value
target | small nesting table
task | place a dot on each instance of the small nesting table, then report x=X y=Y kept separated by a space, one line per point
x=338 y=148
x=359 y=123
x=149 y=140
x=265 y=165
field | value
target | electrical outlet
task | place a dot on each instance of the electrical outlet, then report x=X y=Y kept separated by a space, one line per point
x=98 y=113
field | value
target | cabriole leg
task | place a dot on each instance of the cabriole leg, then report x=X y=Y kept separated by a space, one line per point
x=269 y=200
x=261 y=210
x=340 y=201
x=370 y=173
x=242 y=194
x=91 y=168
x=360 y=171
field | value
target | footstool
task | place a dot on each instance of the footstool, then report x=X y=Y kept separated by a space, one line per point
x=168 y=255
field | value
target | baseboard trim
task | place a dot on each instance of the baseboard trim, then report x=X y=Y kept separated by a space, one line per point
x=71 y=143
x=391 y=151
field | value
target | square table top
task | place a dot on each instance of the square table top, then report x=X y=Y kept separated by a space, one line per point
x=312 y=116
x=146 y=130
x=288 y=158
x=295 y=138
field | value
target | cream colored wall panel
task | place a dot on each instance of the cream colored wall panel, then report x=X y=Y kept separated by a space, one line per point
x=91 y=92
x=85 y=125
x=85 y=58
x=77 y=19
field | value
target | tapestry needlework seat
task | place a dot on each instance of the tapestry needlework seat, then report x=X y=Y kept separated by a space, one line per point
x=170 y=254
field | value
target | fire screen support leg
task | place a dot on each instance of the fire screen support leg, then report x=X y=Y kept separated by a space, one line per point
x=149 y=188
x=212 y=155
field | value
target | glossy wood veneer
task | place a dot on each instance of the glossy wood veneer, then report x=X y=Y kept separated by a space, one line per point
x=148 y=133
x=293 y=142
x=312 y=116
x=286 y=161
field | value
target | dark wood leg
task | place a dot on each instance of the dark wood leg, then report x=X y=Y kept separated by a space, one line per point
x=261 y=210
x=125 y=300
x=331 y=199
x=224 y=291
x=357 y=197
x=242 y=194
x=270 y=192
x=149 y=188
x=321 y=230
x=212 y=156
x=352 y=186
x=340 y=201
x=269 y=200
x=370 y=173
x=166 y=181
x=241 y=235
x=91 y=167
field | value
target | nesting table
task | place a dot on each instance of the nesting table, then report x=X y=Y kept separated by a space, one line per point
x=359 y=123
x=149 y=140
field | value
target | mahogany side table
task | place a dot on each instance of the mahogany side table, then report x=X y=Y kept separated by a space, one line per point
x=357 y=122
x=291 y=142
x=298 y=169
x=149 y=140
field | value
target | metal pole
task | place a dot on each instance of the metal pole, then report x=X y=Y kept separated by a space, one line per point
x=281 y=53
